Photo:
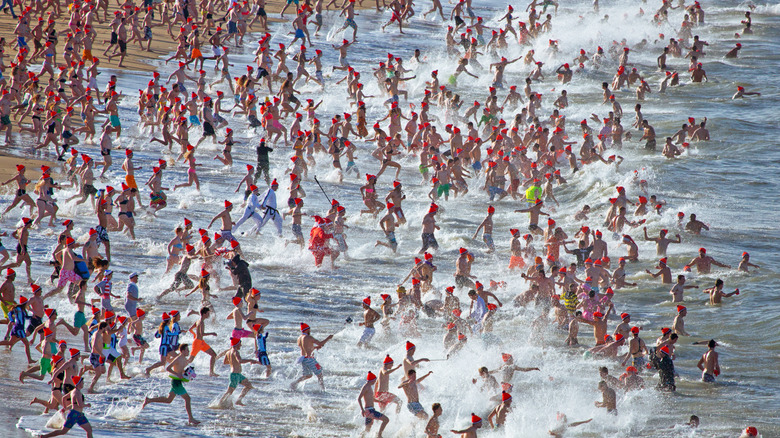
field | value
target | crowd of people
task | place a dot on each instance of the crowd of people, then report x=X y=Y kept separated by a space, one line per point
x=528 y=156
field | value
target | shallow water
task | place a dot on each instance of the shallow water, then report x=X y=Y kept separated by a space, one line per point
x=727 y=182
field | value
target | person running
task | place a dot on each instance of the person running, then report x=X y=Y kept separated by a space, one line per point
x=308 y=345
x=366 y=402
x=233 y=358
x=179 y=372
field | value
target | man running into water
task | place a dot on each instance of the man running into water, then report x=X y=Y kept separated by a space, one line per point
x=413 y=399
x=370 y=316
x=177 y=369
x=366 y=402
x=73 y=401
x=233 y=358
x=308 y=345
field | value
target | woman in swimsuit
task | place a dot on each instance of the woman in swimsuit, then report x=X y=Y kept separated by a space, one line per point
x=175 y=247
x=369 y=196
x=126 y=204
x=21 y=192
x=192 y=177
x=45 y=203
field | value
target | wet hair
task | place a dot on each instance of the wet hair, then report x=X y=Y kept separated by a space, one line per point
x=718 y=282
x=472 y=292
x=204 y=311
x=436 y=406
x=673 y=336
x=604 y=370
x=183 y=347
x=712 y=343
x=485 y=369
x=410 y=372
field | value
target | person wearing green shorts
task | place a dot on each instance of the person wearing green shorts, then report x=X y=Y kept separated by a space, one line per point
x=233 y=357
x=177 y=386
x=235 y=379
x=79 y=319
x=443 y=189
x=178 y=369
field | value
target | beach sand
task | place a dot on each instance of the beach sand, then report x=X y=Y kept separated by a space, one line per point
x=135 y=61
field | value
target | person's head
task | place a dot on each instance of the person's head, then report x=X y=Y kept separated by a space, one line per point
x=712 y=343
x=133 y=277
x=603 y=386
x=694 y=421
x=673 y=338
x=184 y=348
x=436 y=408
x=204 y=312
x=681 y=279
x=603 y=372
x=719 y=283
x=484 y=372
x=473 y=294
x=412 y=374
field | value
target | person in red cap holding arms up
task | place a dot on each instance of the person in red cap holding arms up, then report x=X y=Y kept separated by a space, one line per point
x=661 y=242
x=703 y=262
x=500 y=411
x=370 y=316
x=381 y=394
x=744 y=264
x=428 y=228
x=366 y=402
x=308 y=344
x=471 y=431
x=487 y=230
x=663 y=271
x=508 y=368
x=233 y=358
x=533 y=216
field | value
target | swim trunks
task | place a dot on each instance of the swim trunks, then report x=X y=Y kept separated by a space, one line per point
x=709 y=378
x=371 y=415
x=415 y=407
x=73 y=418
x=236 y=379
x=368 y=333
x=384 y=398
x=177 y=386
x=310 y=366
x=429 y=241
